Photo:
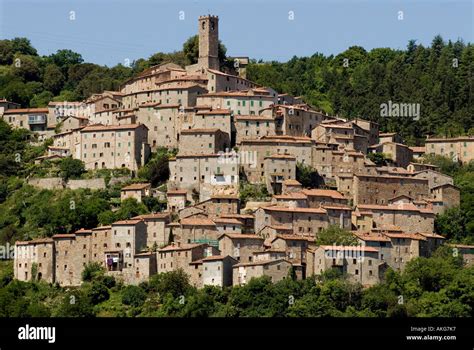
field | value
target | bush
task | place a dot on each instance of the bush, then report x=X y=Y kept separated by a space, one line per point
x=92 y=271
x=133 y=296
x=71 y=168
x=98 y=293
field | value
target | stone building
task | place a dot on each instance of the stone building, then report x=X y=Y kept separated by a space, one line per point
x=405 y=247
x=203 y=141
x=203 y=173
x=304 y=221
x=181 y=256
x=291 y=186
x=157 y=234
x=33 y=119
x=251 y=127
x=243 y=102
x=72 y=123
x=434 y=178
x=240 y=246
x=448 y=194
x=216 y=270
x=390 y=137
x=115 y=146
x=136 y=191
x=162 y=123
x=215 y=206
x=176 y=200
x=213 y=119
x=35 y=260
x=278 y=168
x=69 y=260
x=373 y=189
x=208 y=42
x=294 y=246
x=6 y=105
x=257 y=150
x=371 y=128
x=398 y=153
x=406 y=216
x=277 y=270
x=145 y=266
x=196 y=229
x=457 y=148
x=376 y=240
x=128 y=238
x=358 y=263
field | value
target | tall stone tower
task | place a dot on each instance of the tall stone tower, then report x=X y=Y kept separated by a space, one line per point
x=209 y=42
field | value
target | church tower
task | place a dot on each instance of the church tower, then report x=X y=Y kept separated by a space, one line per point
x=209 y=42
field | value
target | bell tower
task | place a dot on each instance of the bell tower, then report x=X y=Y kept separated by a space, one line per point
x=209 y=42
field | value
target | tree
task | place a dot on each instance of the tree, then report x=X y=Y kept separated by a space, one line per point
x=130 y=208
x=175 y=283
x=191 y=50
x=92 y=271
x=71 y=168
x=74 y=304
x=133 y=296
x=65 y=59
x=53 y=78
x=307 y=176
x=41 y=100
x=451 y=224
x=157 y=169
x=23 y=46
x=334 y=235
x=380 y=159
x=26 y=68
x=98 y=293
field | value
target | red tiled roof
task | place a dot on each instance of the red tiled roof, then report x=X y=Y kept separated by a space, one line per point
x=26 y=111
x=100 y=127
x=350 y=248
x=295 y=210
x=197 y=222
x=200 y=131
x=323 y=193
x=127 y=222
x=174 y=247
x=290 y=237
x=241 y=236
x=137 y=186
x=35 y=241
x=163 y=215
x=227 y=221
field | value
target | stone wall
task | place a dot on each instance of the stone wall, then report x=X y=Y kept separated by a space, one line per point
x=93 y=184
x=48 y=183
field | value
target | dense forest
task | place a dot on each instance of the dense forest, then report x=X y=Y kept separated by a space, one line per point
x=429 y=287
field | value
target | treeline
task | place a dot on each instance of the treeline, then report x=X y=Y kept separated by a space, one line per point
x=33 y=80
x=356 y=82
x=429 y=287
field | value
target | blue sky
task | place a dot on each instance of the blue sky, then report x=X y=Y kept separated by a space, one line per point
x=112 y=31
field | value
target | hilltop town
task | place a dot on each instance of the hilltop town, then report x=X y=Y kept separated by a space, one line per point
x=226 y=130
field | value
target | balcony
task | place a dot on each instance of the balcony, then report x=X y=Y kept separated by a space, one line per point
x=36 y=119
